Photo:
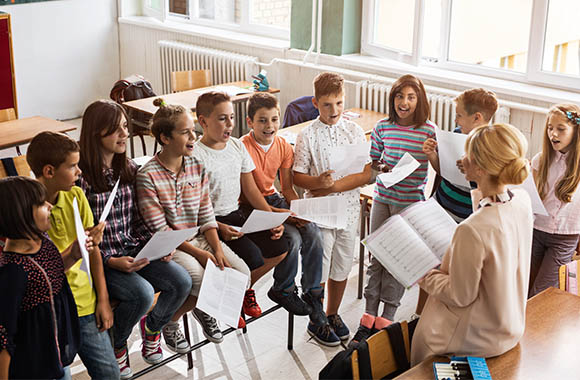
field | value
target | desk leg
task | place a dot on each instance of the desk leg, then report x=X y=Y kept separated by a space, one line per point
x=130 y=127
x=290 y=331
x=361 y=256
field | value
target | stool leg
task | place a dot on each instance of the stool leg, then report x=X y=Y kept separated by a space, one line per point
x=290 y=331
x=189 y=354
x=361 y=258
x=245 y=329
x=143 y=145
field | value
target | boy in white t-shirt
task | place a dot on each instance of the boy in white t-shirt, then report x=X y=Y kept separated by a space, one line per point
x=229 y=167
x=312 y=172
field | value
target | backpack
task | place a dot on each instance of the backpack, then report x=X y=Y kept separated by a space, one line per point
x=133 y=88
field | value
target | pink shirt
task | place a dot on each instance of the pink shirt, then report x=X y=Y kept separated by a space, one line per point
x=564 y=218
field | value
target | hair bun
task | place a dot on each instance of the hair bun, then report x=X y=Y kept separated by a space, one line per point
x=159 y=102
x=514 y=172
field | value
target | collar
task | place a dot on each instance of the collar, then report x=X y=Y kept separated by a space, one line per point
x=498 y=198
x=322 y=124
x=560 y=156
x=167 y=169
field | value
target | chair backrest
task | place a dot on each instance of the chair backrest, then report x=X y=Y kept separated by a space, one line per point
x=299 y=110
x=189 y=80
x=14 y=166
x=7 y=114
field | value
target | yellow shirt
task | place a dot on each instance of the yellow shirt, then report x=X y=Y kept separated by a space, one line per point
x=62 y=232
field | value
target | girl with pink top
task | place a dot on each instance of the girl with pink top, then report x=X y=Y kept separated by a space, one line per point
x=556 y=173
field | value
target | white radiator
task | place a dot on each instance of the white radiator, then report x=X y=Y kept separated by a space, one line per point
x=375 y=96
x=225 y=67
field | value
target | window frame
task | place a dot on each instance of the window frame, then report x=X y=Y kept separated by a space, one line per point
x=534 y=73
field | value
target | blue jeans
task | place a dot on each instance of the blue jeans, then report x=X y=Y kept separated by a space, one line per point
x=135 y=292
x=95 y=350
x=305 y=240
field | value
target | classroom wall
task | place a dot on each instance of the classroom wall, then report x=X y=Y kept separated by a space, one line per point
x=66 y=54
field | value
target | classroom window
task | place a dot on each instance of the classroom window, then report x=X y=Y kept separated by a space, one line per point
x=536 y=41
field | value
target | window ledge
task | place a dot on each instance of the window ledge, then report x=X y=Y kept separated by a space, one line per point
x=427 y=73
x=205 y=31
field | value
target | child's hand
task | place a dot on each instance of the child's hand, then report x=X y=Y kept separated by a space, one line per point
x=167 y=258
x=429 y=147
x=221 y=260
x=205 y=256
x=321 y=192
x=325 y=179
x=383 y=168
x=228 y=233
x=97 y=233
x=104 y=315
x=277 y=232
x=297 y=221
x=127 y=264
x=89 y=245
x=459 y=164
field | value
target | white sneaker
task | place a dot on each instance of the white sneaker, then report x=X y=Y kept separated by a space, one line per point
x=122 y=356
x=174 y=338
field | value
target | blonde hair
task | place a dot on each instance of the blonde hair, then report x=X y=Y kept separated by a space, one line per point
x=478 y=100
x=567 y=186
x=500 y=150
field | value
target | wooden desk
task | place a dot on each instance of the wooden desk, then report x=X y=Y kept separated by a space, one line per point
x=548 y=349
x=187 y=99
x=21 y=131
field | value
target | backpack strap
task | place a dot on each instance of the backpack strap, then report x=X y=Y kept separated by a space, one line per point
x=9 y=167
x=398 y=345
x=364 y=360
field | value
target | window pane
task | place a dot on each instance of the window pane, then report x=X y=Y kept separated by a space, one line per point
x=561 y=45
x=180 y=7
x=432 y=30
x=394 y=24
x=227 y=11
x=155 y=4
x=491 y=33
x=270 y=12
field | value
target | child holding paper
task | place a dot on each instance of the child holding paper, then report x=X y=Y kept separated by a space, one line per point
x=103 y=161
x=272 y=155
x=39 y=325
x=53 y=158
x=474 y=107
x=312 y=172
x=173 y=193
x=477 y=298
x=557 y=174
x=404 y=131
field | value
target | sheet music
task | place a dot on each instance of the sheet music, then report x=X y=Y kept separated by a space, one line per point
x=222 y=293
x=82 y=238
x=451 y=147
x=109 y=203
x=260 y=220
x=406 y=165
x=230 y=90
x=164 y=242
x=140 y=161
x=349 y=159
x=530 y=187
x=398 y=248
x=432 y=223
x=328 y=212
x=290 y=137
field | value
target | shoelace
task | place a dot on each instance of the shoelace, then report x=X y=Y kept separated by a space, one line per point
x=122 y=359
x=337 y=321
x=325 y=331
x=251 y=299
x=210 y=321
x=176 y=334
x=152 y=343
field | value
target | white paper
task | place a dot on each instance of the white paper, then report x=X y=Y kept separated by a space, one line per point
x=530 y=186
x=406 y=165
x=349 y=159
x=290 y=137
x=451 y=147
x=222 y=293
x=230 y=90
x=328 y=212
x=260 y=220
x=109 y=203
x=82 y=238
x=164 y=242
x=140 y=161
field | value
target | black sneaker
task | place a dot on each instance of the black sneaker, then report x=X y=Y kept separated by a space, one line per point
x=209 y=326
x=323 y=334
x=318 y=316
x=338 y=326
x=290 y=301
x=362 y=333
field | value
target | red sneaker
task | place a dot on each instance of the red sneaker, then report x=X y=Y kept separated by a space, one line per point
x=250 y=306
x=241 y=323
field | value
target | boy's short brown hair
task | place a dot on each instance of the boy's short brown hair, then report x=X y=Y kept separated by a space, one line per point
x=328 y=84
x=207 y=102
x=49 y=148
x=261 y=100
x=478 y=100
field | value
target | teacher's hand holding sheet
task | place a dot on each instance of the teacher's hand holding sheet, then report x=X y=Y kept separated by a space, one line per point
x=406 y=165
x=451 y=149
x=164 y=243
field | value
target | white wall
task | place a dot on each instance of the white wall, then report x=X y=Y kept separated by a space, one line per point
x=66 y=54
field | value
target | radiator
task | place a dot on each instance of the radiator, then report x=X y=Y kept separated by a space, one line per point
x=225 y=67
x=375 y=96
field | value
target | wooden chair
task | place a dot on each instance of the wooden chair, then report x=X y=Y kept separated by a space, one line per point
x=14 y=166
x=189 y=80
x=7 y=114
x=382 y=357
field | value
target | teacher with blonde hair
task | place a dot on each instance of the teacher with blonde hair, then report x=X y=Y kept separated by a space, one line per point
x=477 y=298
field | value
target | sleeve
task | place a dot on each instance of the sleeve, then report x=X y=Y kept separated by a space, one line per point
x=247 y=162
x=206 y=217
x=149 y=204
x=84 y=208
x=459 y=287
x=287 y=154
x=536 y=161
x=432 y=127
x=377 y=145
x=12 y=290
x=302 y=158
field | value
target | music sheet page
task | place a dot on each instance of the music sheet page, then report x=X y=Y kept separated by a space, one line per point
x=329 y=212
x=451 y=147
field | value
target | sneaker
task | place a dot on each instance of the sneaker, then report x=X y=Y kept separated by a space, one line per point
x=317 y=316
x=209 y=325
x=174 y=338
x=290 y=301
x=365 y=329
x=241 y=323
x=122 y=356
x=323 y=334
x=151 y=346
x=338 y=326
x=250 y=306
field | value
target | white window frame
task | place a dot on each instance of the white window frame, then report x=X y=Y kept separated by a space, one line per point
x=243 y=27
x=533 y=75
x=160 y=15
